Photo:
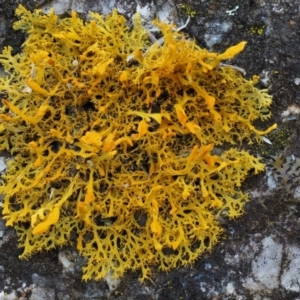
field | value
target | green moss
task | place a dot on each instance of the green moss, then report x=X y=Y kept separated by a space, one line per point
x=186 y=10
x=280 y=138
x=258 y=29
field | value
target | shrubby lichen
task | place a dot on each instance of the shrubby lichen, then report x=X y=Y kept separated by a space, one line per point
x=112 y=139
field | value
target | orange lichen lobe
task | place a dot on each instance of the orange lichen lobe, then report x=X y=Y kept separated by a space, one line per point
x=113 y=138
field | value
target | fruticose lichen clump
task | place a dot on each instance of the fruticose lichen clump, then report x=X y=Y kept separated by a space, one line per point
x=112 y=141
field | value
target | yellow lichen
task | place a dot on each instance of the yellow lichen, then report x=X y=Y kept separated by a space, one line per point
x=113 y=138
